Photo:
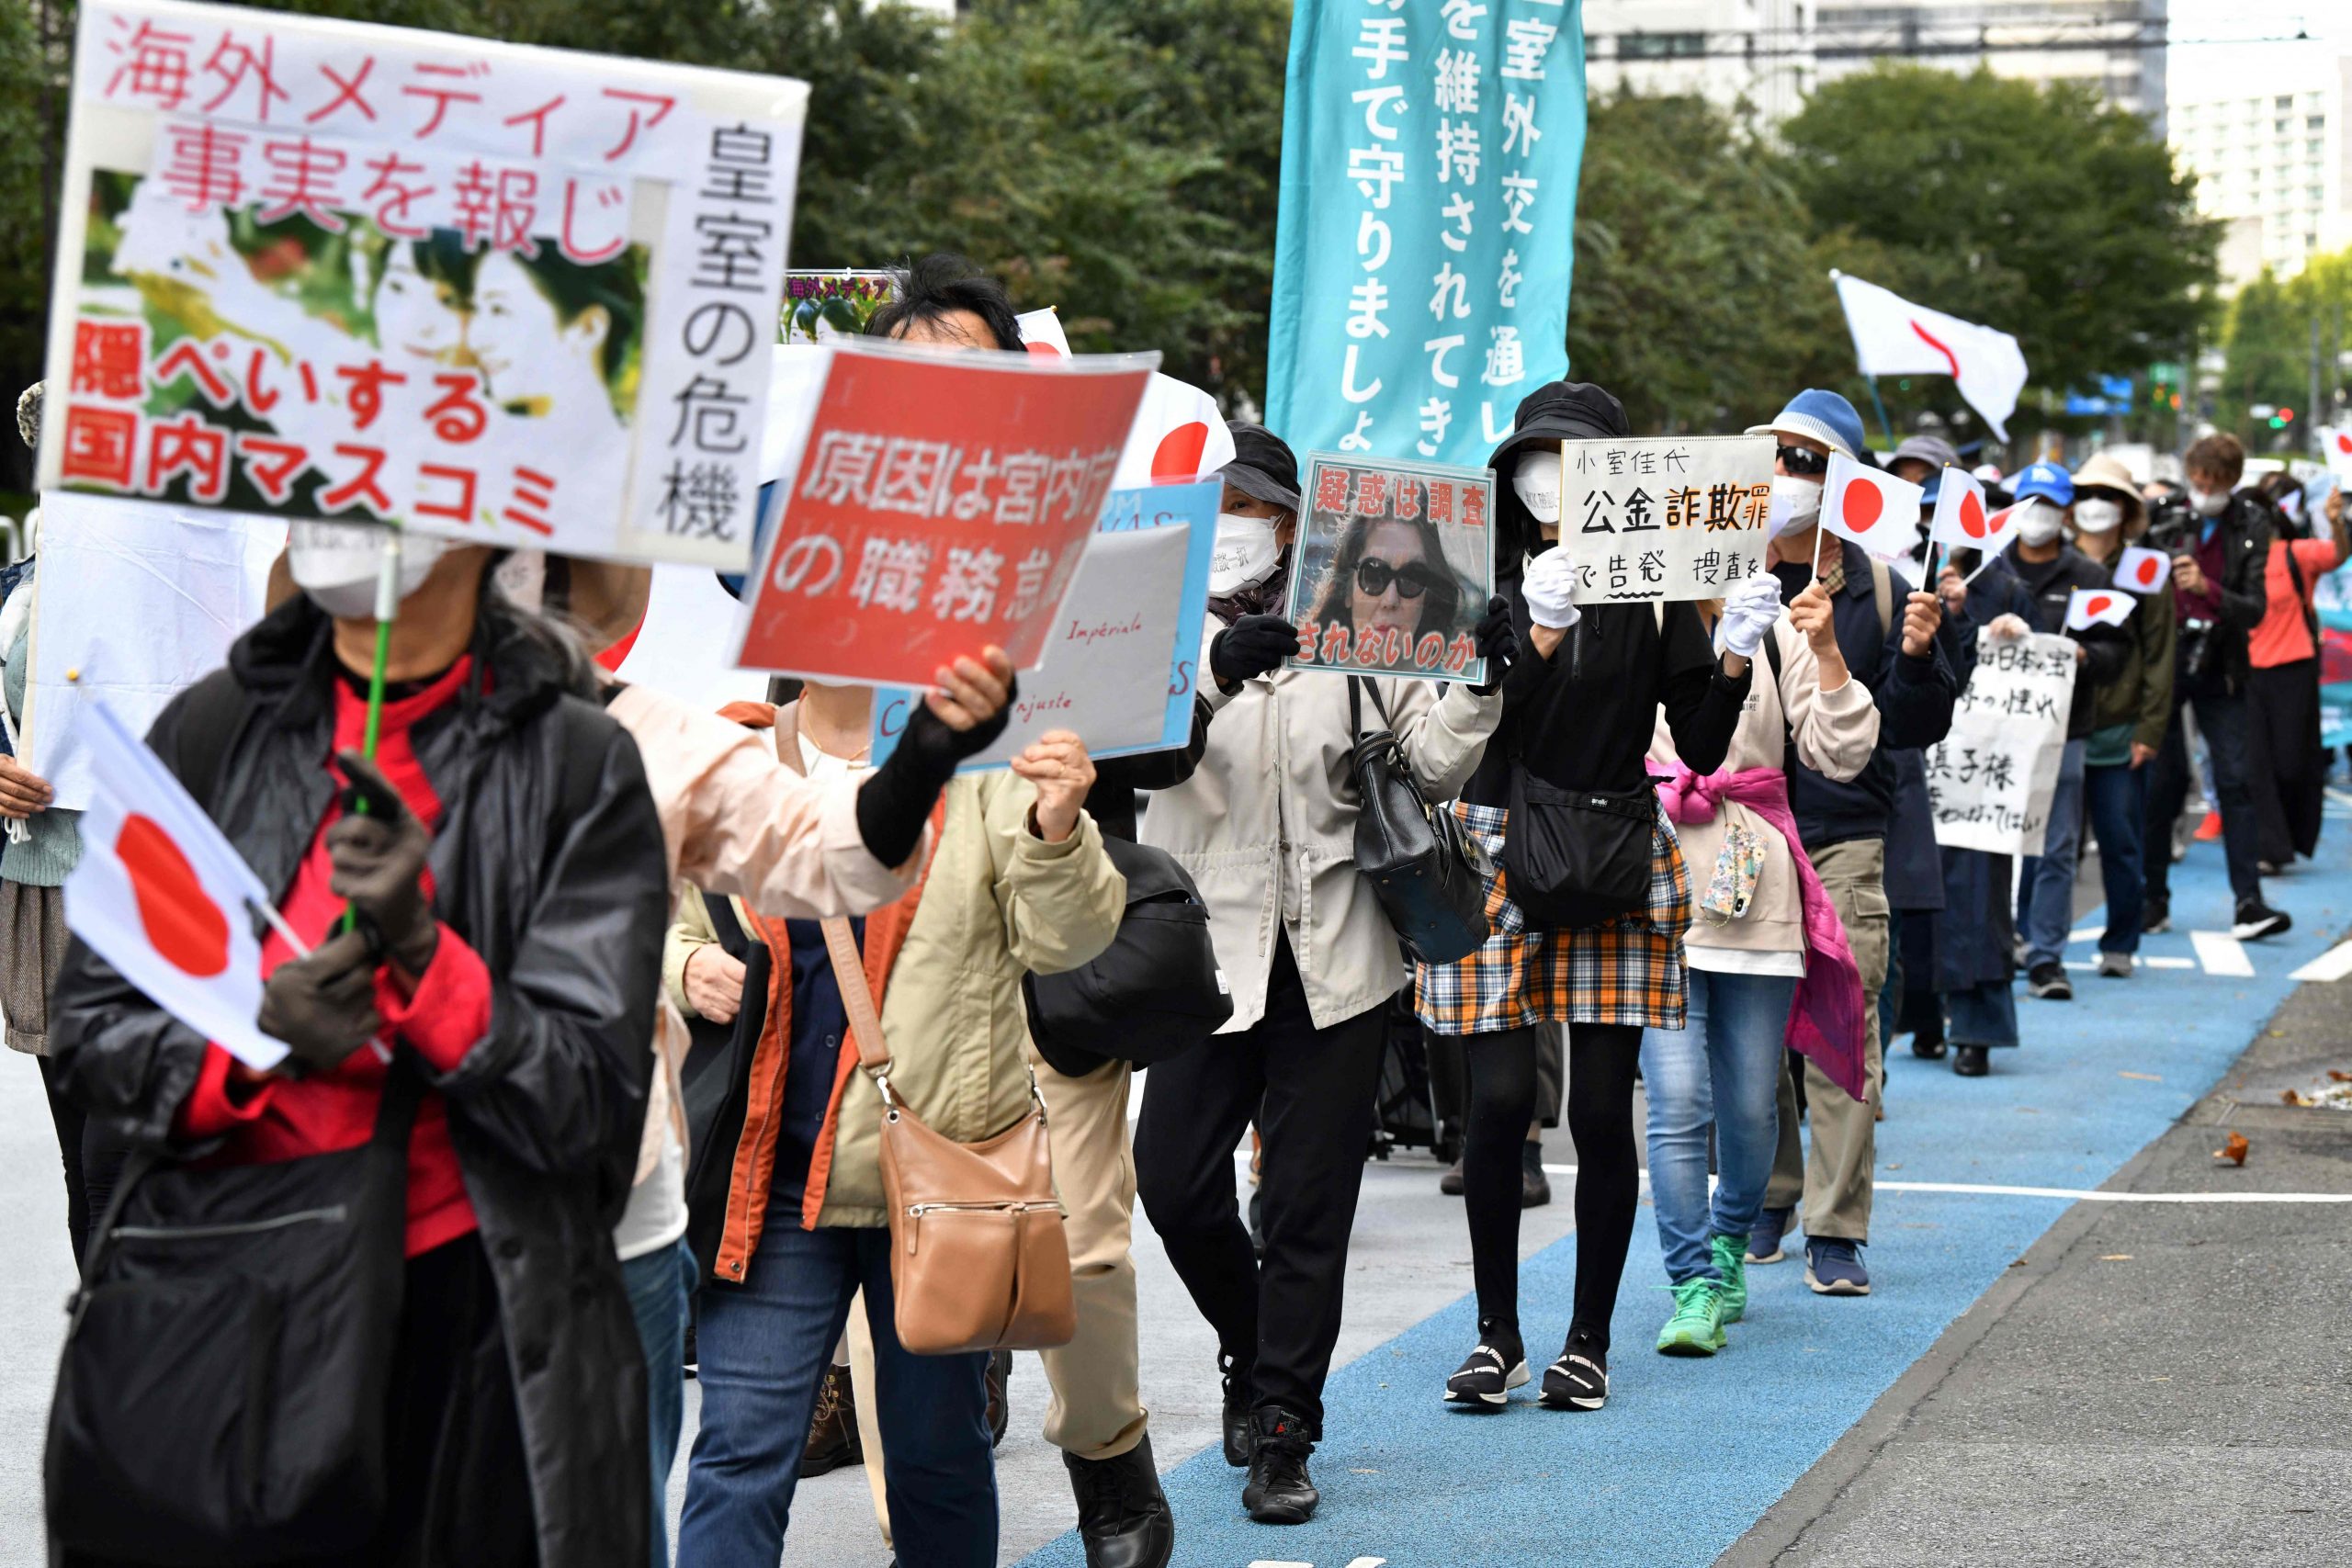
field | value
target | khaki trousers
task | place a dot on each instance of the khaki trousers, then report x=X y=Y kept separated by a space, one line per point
x=1835 y=1179
x=1097 y=1408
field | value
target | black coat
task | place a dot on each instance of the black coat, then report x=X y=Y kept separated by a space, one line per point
x=548 y=861
x=2052 y=585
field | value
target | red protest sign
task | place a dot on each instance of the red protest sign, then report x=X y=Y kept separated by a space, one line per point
x=940 y=504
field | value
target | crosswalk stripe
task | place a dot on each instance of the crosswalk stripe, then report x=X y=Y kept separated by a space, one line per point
x=2333 y=965
x=2222 y=954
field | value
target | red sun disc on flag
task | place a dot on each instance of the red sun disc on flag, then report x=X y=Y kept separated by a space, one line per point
x=1861 y=506
x=1177 y=456
x=1972 y=515
x=2344 y=442
x=1041 y=350
x=2097 y=605
x=181 y=919
x=2148 y=569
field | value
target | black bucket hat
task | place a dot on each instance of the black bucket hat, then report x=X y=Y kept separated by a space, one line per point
x=1263 y=465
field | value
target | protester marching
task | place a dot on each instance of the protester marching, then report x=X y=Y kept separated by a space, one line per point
x=625 y=866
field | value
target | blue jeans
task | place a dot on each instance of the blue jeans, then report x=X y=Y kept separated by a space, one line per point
x=1982 y=1015
x=2046 y=883
x=2117 y=798
x=1723 y=1066
x=659 y=1285
x=763 y=1347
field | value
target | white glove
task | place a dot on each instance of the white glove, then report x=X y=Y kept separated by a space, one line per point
x=1749 y=611
x=1548 y=585
x=2009 y=628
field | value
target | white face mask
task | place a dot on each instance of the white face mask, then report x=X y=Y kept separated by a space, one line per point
x=2098 y=516
x=1537 y=481
x=1795 y=505
x=337 y=564
x=1244 y=556
x=2209 y=502
x=2037 y=521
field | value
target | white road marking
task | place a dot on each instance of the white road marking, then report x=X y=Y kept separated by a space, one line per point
x=2169 y=963
x=2333 y=965
x=2070 y=1194
x=2222 y=954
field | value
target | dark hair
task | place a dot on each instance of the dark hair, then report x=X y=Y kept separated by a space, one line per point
x=2220 y=453
x=2276 y=487
x=939 y=286
x=1440 y=601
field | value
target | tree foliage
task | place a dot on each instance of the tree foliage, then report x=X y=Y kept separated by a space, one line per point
x=2267 y=351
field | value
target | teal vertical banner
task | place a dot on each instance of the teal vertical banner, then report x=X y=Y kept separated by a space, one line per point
x=1430 y=157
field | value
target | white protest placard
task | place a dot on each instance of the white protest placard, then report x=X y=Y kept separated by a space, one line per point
x=130 y=603
x=1990 y=780
x=684 y=646
x=1656 y=518
x=513 y=296
x=1106 y=672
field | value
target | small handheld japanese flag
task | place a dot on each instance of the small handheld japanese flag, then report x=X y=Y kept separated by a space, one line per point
x=2143 y=571
x=1875 y=510
x=1961 y=521
x=2336 y=445
x=159 y=894
x=1042 y=335
x=1179 y=434
x=2098 y=607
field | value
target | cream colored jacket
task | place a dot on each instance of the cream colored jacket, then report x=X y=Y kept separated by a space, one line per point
x=1266 y=826
x=1835 y=732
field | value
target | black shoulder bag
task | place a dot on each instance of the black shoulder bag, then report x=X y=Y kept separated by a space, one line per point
x=1426 y=871
x=221 y=1399
x=1577 y=857
x=1156 y=992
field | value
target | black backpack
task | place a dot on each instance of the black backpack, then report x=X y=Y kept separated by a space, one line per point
x=1154 y=993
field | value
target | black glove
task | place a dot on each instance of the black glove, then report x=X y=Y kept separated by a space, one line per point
x=324 y=1005
x=896 y=802
x=1497 y=643
x=1254 y=645
x=377 y=850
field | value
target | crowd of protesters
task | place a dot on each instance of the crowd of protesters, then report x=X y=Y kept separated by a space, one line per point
x=565 y=886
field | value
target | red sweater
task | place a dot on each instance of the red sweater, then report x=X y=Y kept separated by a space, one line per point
x=271 y=1118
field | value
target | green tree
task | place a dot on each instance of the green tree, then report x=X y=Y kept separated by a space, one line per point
x=2267 y=351
x=2037 y=209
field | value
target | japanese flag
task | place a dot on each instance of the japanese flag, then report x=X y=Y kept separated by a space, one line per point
x=2098 y=607
x=2143 y=571
x=1179 y=434
x=159 y=894
x=1875 y=510
x=2336 y=445
x=1042 y=335
x=1961 y=522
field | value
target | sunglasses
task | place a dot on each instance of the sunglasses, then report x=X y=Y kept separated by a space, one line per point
x=1374 y=576
x=1798 y=460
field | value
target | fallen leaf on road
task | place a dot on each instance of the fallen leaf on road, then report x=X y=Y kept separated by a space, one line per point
x=2143 y=1077
x=2337 y=1076
x=2293 y=1097
x=2234 y=1151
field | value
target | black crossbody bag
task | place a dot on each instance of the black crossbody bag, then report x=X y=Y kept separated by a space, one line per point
x=1577 y=857
x=1156 y=992
x=1424 y=868
x=222 y=1396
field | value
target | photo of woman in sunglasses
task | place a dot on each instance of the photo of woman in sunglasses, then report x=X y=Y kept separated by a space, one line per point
x=1396 y=574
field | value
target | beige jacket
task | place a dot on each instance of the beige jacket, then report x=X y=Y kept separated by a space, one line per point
x=733 y=822
x=1266 y=825
x=1835 y=732
x=995 y=901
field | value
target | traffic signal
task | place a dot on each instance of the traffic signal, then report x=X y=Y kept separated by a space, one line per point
x=2286 y=416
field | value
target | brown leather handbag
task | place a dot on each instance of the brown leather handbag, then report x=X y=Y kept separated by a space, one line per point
x=977 y=1257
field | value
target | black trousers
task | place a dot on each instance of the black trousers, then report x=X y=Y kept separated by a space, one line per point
x=68 y=1119
x=2284 y=758
x=1311 y=1092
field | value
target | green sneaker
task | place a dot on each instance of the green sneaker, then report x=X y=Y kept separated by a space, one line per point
x=1731 y=1268
x=1697 y=1327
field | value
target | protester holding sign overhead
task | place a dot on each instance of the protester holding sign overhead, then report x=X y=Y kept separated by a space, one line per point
x=1889 y=638
x=504 y=863
x=2131 y=706
x=1266 y=825
x=1587 y=895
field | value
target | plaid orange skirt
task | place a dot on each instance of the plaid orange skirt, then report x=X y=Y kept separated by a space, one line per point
x=1628 y=971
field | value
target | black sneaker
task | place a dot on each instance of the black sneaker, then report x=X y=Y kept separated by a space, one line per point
x=1971 y=1062
x=1578 y=1379
x=1534 y=1187
x=1926 y=1050
x=2155 y=916
x=1236 y=1413
x=1123 y=1515
x=2049 y=982
x=1278 y=1491
x=2258 y=919
x=1482 y=1384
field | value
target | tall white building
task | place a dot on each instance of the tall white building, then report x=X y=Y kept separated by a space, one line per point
x=1769 y=53
x=2272 y=152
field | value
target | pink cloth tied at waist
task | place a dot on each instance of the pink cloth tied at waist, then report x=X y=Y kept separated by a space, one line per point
x=1827 y=1021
